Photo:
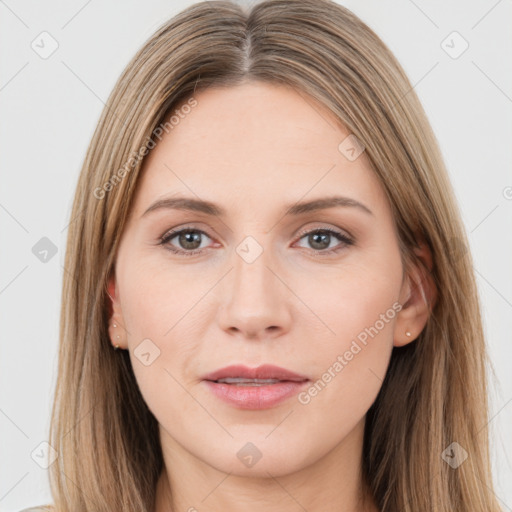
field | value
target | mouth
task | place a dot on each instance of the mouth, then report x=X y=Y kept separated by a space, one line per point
x=254 y=388
x=240 y=381
x=265 y=374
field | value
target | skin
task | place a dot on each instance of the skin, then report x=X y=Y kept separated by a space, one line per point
x=253 y=149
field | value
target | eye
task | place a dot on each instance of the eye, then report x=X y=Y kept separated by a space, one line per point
x=320 y=239
x=189 y=240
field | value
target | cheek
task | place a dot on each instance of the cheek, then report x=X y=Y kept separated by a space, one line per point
x=351 y=357
x=160 y=309
x=155 y=295
x=355 y=320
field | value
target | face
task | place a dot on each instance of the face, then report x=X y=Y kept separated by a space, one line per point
x=314 y=291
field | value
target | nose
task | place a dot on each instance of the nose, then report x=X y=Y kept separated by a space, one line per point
x=255 y=301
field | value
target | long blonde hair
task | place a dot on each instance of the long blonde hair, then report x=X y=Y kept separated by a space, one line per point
x=434 y=392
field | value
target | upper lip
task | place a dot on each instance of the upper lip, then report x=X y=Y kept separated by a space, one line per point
x=266 y=371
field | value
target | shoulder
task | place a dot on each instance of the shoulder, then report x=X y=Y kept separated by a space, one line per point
x=37 y=509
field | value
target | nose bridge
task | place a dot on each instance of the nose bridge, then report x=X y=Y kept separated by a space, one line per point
x=252 y=279
x=251 y=262
x=255 y=298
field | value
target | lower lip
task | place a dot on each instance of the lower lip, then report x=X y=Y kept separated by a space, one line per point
x=255 y=397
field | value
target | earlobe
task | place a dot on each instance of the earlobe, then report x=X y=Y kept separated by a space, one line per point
x=421 y=293
x=116 y=329
x=115 y=337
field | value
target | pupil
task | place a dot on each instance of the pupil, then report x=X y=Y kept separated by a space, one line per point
x=323 y=240
x=187 y=240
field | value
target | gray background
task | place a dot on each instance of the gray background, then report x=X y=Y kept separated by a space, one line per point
x=50 y=107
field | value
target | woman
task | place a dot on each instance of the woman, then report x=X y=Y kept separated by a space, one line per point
x=264 y=231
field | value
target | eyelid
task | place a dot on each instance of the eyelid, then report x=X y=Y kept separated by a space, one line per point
x=187 y=227
x=301 y=232
x=325 y=227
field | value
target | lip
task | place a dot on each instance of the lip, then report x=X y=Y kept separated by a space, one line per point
x=265 y=371
x=255 y=397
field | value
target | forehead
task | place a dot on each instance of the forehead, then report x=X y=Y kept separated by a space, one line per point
x=257 y=142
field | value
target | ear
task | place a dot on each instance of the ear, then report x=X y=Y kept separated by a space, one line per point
x=116 y=329
x=418 y=296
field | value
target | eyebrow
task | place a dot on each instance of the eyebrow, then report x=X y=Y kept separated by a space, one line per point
x=209 y=208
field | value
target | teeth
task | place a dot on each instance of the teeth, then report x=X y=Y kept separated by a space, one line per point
x=249 y=382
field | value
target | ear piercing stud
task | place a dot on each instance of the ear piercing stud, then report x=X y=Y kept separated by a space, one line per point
x=407 y=333
x=116 y=347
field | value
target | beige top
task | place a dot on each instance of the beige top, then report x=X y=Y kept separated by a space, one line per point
x=37 y=509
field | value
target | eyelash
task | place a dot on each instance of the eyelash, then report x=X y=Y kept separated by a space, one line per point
x=347 y=241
